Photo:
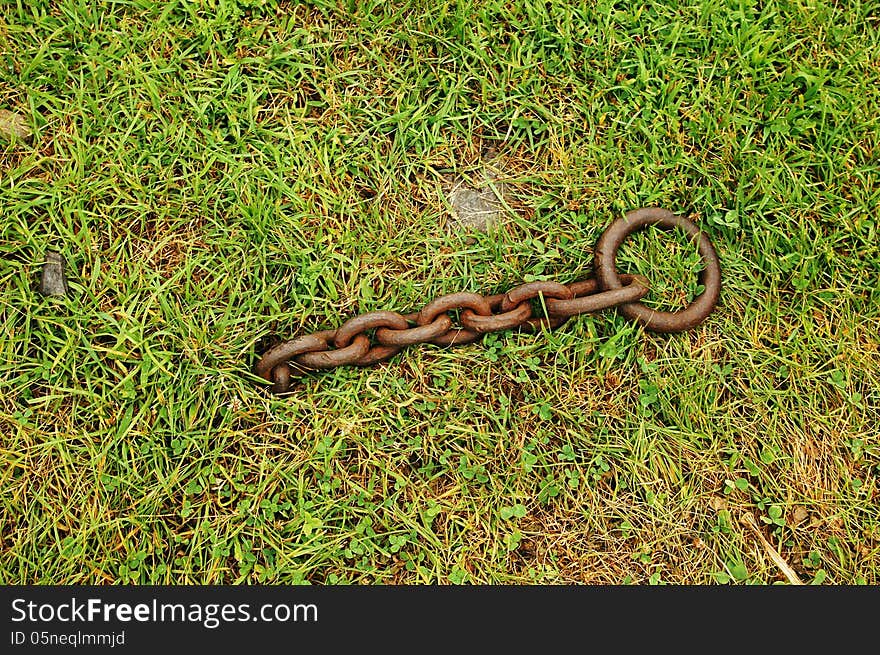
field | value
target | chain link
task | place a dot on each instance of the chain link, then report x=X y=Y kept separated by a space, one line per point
x=351 y=343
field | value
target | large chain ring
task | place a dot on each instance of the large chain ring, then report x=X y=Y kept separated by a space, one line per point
x=651 y=319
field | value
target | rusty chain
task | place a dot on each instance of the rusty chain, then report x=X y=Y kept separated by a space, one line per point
x=478 y=315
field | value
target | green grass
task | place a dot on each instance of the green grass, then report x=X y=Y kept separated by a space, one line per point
x=216 y=172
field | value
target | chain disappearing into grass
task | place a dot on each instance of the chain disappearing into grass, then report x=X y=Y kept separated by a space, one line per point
x=350 y=345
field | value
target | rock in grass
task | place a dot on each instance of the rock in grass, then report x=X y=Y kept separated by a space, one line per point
x=13 y=126
x=53 y=282
x=473 y=208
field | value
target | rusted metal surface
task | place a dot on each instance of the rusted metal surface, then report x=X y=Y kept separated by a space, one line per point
x=351 y=345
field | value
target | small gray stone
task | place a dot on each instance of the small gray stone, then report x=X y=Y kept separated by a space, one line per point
x=53 y=282
x=474 y=208
x=13 y=126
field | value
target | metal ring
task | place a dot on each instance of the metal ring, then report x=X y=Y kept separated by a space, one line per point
x=497 y=322
x=420 y=334
x=359 y=324
x=636 y=288
x=525 y=292
x=460 y=300
x=657 y=321
x=285 y=351
x=333 y=358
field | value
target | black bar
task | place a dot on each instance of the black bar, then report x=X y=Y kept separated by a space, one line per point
x=238 y=618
